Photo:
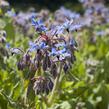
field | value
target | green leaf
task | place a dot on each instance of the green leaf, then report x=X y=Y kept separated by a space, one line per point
x=3 y=102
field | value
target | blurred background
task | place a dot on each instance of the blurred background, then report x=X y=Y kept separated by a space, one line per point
x=49 y=4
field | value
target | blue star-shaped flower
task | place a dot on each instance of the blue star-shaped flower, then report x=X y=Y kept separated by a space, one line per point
x=38 y=24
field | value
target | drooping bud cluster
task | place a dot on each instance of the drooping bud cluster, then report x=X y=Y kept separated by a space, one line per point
x=25 y=61
x=42 y=85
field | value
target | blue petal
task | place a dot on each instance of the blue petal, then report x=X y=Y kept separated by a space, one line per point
x=67 y=54
x=64 y=55
x=59 y=30
x=33 y=46
x=42 y=45
x=33 y=21
x=43 y=28
x=62 y=51
x=60 y=45
x=75 y=27
x=40 y=22
x=53 y=51
x=66 y=24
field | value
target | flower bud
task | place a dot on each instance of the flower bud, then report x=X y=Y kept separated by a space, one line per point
x=26 y=59
x=65 y=67
x=42 y=85
x=20 y=65
x=54 y=70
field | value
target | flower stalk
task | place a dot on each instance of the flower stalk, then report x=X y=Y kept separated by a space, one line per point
x=56 y=85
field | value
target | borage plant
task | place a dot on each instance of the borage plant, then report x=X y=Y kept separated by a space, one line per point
x=48 y=58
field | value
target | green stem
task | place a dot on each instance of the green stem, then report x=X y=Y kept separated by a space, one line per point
x=56 y=84
x=44 y=98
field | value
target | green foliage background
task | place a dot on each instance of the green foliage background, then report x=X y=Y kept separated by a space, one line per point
x=78 y=90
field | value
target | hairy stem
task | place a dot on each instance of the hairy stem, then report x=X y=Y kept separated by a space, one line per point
x=56 y=84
